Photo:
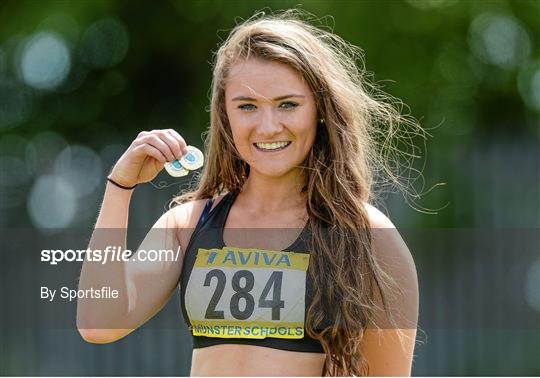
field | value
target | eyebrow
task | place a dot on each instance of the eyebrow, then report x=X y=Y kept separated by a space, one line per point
x=244 y=98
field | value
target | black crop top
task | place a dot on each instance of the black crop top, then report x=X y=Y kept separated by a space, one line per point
x=250 y=296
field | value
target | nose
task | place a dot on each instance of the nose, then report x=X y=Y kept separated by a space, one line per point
x=269 y=125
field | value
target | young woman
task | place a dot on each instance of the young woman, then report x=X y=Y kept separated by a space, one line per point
x=294 y=144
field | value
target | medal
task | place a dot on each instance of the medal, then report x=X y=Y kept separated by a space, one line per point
x=175 y=169
x=191 y=161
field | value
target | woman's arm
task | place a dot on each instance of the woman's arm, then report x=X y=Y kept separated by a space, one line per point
x=144 y=286
x=389 y=350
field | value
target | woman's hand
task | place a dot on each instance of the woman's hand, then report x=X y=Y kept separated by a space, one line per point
x=146 y=156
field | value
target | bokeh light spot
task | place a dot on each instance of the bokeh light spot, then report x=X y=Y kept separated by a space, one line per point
x=52 y=202
x=104 y=44
x=80 y=166
x=529 y=85
x=499 y=40
x=45 y=61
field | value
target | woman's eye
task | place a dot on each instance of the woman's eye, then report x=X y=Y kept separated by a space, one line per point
x=288 y=105
x=247 y=107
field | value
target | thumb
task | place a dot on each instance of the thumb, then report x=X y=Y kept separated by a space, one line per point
x=158 y=165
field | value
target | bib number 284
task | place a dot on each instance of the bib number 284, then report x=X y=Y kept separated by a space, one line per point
x=247 y=293
x=243 y=291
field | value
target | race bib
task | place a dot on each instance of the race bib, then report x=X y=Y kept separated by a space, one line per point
x=247 y=293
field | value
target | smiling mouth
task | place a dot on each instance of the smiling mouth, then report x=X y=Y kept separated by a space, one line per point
x=270 y=147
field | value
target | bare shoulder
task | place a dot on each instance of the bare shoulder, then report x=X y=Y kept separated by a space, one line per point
x=187 y=215
x=377 y=217
x=388 y=243
x=395 y=258
x=393 y=335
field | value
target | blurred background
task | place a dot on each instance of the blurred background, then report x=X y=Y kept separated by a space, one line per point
x=79 y=80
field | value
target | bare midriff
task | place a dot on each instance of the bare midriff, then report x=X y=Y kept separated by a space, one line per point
x=250 y=360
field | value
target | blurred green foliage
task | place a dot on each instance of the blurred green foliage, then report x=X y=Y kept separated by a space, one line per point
x=98 y=72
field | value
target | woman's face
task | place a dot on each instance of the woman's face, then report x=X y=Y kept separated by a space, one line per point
x=272 y=114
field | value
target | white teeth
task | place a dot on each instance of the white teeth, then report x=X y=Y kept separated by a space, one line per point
x=271 y=146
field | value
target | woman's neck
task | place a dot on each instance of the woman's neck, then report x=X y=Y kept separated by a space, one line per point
x=268 y=195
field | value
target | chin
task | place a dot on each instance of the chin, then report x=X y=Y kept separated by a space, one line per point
x=273 y=171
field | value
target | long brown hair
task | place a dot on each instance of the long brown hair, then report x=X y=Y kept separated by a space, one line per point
x=353 y=149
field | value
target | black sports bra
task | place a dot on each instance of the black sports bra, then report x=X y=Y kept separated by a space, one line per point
x=249 y=296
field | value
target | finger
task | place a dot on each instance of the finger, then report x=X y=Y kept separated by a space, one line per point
x=152 y=151
x=142 y=133
x=154 y=140
x=181 y=141
x=173 y=143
